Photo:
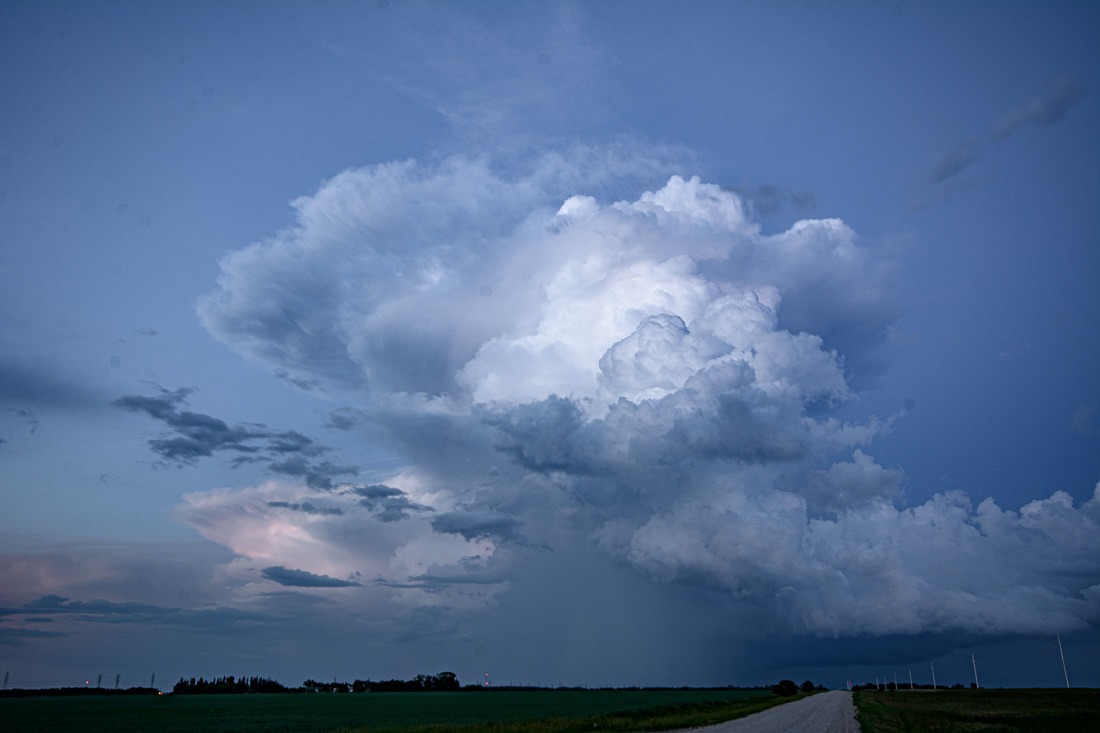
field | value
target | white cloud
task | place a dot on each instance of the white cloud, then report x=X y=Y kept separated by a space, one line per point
x=650 y=378
x=260 y=525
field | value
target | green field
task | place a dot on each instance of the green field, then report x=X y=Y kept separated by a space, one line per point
x=979 y=711
x=556 y=711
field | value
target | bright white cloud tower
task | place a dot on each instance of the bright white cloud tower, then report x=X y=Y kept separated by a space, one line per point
x=649 y=379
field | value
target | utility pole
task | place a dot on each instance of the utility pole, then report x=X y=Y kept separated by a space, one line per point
x=117 y=678
x=910 y=679
x=99 y=681
x=974 y=664
x=6 y=679
x=1057 y=635
x=933 y=675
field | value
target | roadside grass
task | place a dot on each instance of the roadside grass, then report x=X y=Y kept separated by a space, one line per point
x=534 y=711
x=979 y=711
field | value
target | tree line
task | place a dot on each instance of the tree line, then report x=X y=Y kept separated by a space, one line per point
x=442 y=682
x=226 y=685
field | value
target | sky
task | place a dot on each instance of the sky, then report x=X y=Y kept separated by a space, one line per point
x=619 y=343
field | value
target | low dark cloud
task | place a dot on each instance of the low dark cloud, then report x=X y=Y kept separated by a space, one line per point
x=306 y=508
x=197 y=435
x=344 y=418
x=478 y=524
x=303 y=579
x=317 y=474
x=434 y=583
x=387 y=503
x=17 y=636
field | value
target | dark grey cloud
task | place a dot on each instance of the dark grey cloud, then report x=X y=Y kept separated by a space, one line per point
x=550 y=435
x=317 y=474
x=439 y=582
x=377 y=491
x=344 y=418
x=10 y=636
x=306 y=508
x=387 y=503
x=1043 y=109
x=303 y=579
x=291 y=441
x=197 y=435
x=479 y=523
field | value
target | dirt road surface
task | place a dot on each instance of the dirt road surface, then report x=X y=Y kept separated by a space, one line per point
x=827 y=712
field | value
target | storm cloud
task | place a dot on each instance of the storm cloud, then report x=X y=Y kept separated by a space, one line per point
x=652 y=381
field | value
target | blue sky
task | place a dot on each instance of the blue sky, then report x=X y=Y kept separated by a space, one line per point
x=607 y=343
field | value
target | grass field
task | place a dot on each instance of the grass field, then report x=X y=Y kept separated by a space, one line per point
x=549 y=711
x=979 y=711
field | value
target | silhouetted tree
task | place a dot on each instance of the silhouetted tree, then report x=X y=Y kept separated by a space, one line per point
x=785 y=688
x=226 y=686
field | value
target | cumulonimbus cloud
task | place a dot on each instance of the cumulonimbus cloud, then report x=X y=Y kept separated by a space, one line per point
x=653 y=378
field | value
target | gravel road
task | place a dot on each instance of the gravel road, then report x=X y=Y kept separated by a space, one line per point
x=827 y=712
